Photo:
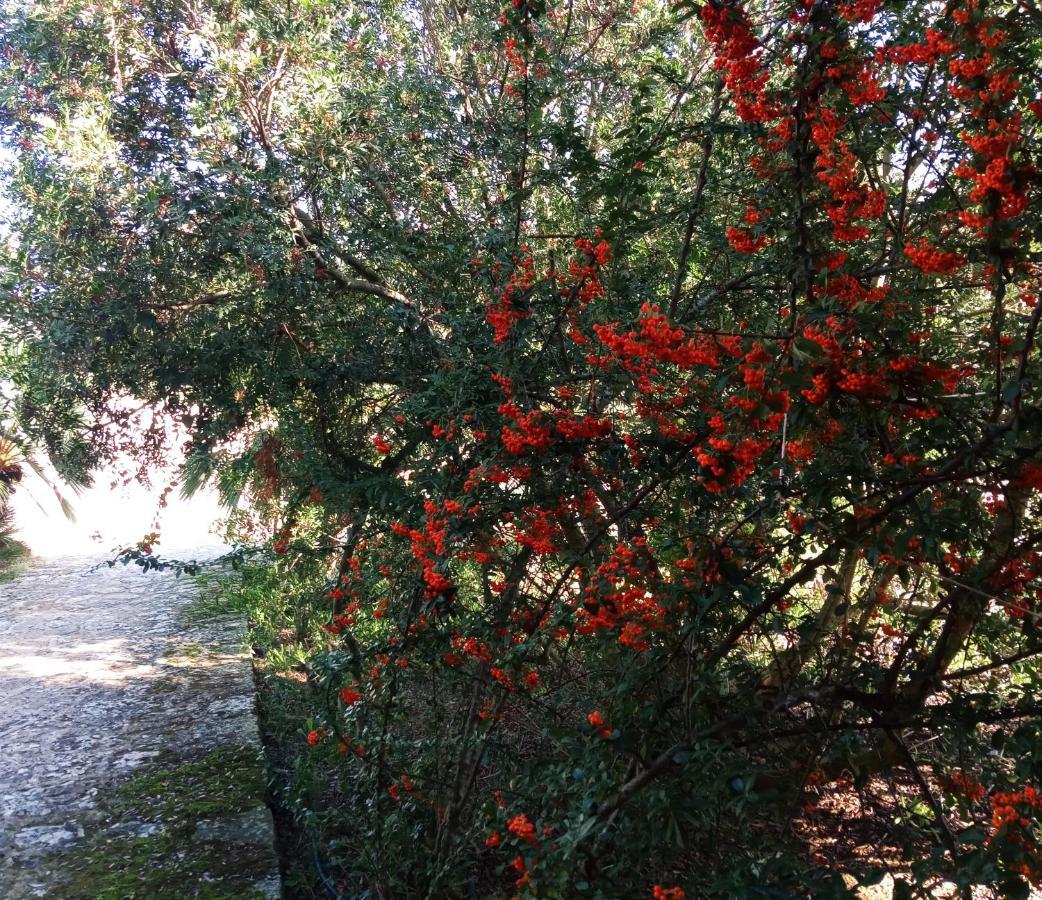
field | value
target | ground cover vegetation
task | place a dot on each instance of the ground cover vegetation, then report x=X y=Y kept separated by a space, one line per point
x=638 y=405
x=160 y=852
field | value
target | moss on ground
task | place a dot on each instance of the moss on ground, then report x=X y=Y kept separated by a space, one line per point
x=161 y=867
x=192 y=651
x=224 y=782
x=284 y=702
x=171 y=862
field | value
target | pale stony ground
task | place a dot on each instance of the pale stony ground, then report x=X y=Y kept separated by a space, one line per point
x=104 y=675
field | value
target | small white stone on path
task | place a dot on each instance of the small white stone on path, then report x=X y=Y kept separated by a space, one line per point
x=47 y=837
x=134 y=759
x=137 y=829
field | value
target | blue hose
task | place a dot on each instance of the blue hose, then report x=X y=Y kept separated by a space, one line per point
x=326 y=883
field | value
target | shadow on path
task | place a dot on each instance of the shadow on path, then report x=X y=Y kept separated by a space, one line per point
x=130 y=762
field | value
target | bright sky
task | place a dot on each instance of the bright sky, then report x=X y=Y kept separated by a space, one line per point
x=107 y=518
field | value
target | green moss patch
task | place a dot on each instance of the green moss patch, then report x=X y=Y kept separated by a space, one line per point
x=164 y=868
x=149 y=845
x=222 y=783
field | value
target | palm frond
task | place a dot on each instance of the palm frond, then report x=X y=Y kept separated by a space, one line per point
x=6 y=521
x=197 y=469
x=63 y=502
x=10 y=455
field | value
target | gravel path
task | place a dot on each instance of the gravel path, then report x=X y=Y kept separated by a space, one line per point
x=119 y=707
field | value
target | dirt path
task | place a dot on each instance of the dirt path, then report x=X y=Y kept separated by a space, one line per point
x=130 y=763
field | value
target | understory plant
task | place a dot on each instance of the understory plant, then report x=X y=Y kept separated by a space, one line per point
x=646 y=396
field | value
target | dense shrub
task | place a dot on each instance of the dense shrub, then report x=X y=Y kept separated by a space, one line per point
x=653 y=393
